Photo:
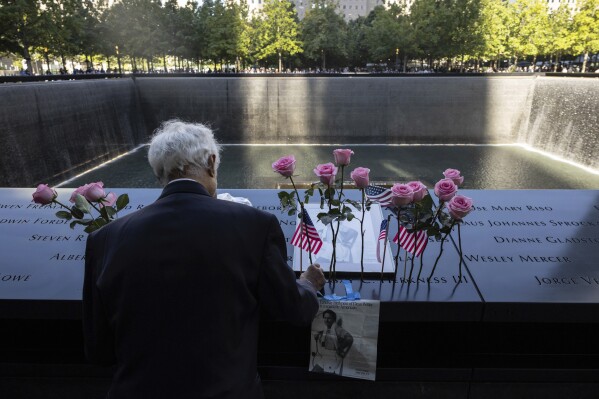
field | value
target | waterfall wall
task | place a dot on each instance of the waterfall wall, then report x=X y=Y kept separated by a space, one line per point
x=344 y=109
x=51 y=131
x=564 y=119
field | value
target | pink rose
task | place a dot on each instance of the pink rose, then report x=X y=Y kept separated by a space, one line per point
x=78 y=191
x=459 y=206
x=109 y=200
x=360 y=177
x=326 y=172
x=454 y=175
x=419 y=190
x=285 y=166
x=44 y=195
x=402 y=194
x=94 y=192
x=445 y=189
x=342 y=156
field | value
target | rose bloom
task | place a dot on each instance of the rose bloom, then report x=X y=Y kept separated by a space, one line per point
x=342 y=156
x=402 y=194
x=285 y=166
x=79 y=190
x=445 y=189
x=94 y=192
x=459 y=206
x=44 y=195
x=419 y=190
x=454 y=175
x=326 y=172
x=360 y=177
x=109 y=200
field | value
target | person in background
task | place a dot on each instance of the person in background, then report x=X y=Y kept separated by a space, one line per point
x=173 y=293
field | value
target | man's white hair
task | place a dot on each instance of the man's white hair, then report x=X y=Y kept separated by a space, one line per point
x=177 y=144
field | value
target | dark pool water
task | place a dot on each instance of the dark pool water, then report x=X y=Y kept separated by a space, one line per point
x=484 y=167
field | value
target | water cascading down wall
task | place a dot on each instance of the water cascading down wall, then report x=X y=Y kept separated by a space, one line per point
x=52 y=131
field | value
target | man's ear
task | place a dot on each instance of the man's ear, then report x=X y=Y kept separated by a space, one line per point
x=212 y=165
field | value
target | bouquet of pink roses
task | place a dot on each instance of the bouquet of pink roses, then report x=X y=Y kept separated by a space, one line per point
x=418 y=217
x=87 y=200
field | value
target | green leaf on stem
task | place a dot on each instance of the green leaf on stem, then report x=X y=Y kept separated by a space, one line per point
x=64 y=215
x=325 y=218
x=76 y=212
x=104 y=214
x=91 y=228
x=291 y=212
x=110 y=211
x=329 y=193
x=283 y=194
x=425 y=204
x=122 y=201
x=82 y=204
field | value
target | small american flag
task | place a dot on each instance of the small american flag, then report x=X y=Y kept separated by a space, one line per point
x=413 y=243
x=382 y=236
x=306 y=236
x=383 y=233
x=378 y=194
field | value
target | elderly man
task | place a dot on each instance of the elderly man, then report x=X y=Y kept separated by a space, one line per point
x=173 y=292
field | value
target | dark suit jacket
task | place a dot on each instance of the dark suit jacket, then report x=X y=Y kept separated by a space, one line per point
x=173 y=292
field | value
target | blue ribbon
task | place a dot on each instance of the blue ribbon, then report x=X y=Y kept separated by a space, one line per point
x=350 y=295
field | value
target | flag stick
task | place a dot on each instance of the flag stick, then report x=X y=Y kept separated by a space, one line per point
x=301 y=255
x=385 y=245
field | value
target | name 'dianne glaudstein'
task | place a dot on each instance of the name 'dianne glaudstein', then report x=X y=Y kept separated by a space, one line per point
x=547 y=239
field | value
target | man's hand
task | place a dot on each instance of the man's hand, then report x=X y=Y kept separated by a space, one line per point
x=314 y=275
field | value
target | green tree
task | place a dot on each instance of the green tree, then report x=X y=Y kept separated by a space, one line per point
x=277 y=31
x=494 y=29
x=324 y=32
x=23 y=27
x=463 y=28
x=357 y=48
x=531 y=28
x=427 y=19
x=560 y=36
x=226 y=26
x=390 y=34
x=586 y=29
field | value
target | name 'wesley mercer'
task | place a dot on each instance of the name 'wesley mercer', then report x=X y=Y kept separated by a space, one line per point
x=521 y=258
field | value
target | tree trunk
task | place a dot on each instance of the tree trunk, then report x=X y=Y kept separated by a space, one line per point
x=47 y=62
x=63 y=60
x=280 y=62
x=27 y=57
x=405 y=63
x=584 y=61
x=324 y=61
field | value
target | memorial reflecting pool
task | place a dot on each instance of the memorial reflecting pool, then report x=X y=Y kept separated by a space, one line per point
x=484 y=166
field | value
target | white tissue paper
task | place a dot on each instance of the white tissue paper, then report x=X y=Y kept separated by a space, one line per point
x=229 y=197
